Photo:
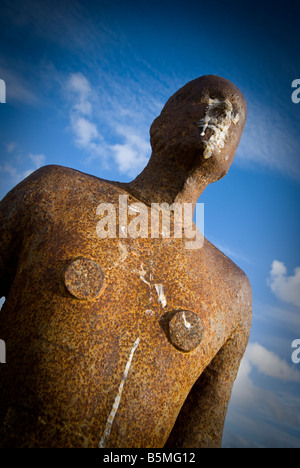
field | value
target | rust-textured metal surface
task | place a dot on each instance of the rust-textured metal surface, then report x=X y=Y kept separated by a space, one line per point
x=98 y=351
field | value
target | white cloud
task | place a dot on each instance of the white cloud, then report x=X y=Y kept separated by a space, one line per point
x=268 y=363
x=78 y=83
x=131 y=156
x=80 y=97
x=80 y=87
x=278 y=269
x=286 y=288
x=244 y=391
x=130 y=152
x=85 y=131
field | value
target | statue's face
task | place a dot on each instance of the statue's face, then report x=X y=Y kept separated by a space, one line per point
x=200 y=126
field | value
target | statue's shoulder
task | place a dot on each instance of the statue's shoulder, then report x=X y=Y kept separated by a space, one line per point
x=226 y=273
x=61 y=176
x=54 y=181
x=55 y=185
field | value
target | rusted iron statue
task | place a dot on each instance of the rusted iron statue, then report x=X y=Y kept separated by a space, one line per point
x=122 y=340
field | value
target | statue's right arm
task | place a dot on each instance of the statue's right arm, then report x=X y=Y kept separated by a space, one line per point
x=18 y=214
x=13 y=216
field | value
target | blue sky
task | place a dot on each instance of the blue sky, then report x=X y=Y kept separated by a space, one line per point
x=84 y=82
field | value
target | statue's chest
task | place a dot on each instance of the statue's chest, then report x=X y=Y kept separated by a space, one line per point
x=154 y=284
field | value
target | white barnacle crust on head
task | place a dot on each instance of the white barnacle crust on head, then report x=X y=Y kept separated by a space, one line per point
x=218 y=117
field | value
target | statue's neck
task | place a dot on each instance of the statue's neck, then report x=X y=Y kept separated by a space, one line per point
x=165 y=182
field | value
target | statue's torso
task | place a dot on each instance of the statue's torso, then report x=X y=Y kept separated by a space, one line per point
x=70 y=353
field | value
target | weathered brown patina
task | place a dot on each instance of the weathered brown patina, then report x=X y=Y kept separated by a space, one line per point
x=123 y=342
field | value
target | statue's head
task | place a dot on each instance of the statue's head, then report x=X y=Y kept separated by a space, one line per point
x=200 y=127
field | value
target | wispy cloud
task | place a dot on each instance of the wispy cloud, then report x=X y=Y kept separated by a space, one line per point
x=86 y=132
x=19 y=88
x=124 y=148
x=18 y=166
x=269 y=140
x=252 y=433
x=38 y=160
x=81 y=90
x=80 y=99
x=69 y=25
x=287 y=319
